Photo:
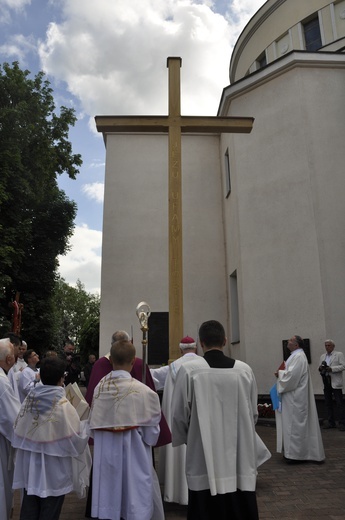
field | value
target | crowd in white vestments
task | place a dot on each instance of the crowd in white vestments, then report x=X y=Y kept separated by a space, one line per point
x=210 y=406
x=43 y=444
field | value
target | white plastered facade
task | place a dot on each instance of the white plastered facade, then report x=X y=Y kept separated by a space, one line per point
x=135 y=243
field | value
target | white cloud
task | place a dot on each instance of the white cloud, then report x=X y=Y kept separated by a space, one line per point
x=6 y=6
x=97 y=164
x=83 y=261
x=14 y=4
x=94 y=191
x=112 y=54
x=17 y=48
x=238 y=14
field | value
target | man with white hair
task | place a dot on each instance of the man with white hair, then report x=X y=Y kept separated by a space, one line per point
x=332 y=366
x=9 y=408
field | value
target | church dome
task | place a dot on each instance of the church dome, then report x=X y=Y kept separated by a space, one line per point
x=283 y=26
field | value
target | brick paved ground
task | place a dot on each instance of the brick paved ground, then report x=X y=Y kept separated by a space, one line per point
x=294 y=492
x=303 y=491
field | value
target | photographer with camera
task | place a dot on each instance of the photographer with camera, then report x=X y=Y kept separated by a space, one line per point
x=332 y=364
x=72 y=360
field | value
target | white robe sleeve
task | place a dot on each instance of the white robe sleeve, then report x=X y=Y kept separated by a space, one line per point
x=27 y=380
x=253 y=387
x=149 y=434
x=159 y=376
x=289 y=379
x=180 y=408
x=9 y=408
x=182 y=399
x=13 y=378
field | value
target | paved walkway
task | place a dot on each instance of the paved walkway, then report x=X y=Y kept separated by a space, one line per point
x=294 y=492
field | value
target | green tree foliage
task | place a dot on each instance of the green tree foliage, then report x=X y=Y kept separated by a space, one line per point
x=36 y=217
x=89 y=338
x=76 y=315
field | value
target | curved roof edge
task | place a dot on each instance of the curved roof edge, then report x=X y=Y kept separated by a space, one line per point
x=252 y=26
x=280 y=66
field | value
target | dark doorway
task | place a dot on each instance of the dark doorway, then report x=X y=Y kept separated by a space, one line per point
x=158 y=338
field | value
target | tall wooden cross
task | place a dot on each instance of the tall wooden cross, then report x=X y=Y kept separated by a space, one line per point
x=174 y=124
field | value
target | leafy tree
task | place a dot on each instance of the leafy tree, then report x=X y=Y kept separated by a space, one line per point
x=76 y=315
x=36 y=217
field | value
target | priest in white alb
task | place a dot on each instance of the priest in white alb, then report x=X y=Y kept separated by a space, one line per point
x=172 y=460
x=214 y=410
x=298 y=429
x=52 y=457
x=9 y=408
x=124 y=422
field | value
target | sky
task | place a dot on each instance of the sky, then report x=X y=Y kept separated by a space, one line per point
x=108 y=57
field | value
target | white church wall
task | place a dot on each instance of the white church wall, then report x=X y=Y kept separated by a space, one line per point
x=288 y=187
x=204 y=278
x=135 y=232
x=326 y=92
x=135 y=250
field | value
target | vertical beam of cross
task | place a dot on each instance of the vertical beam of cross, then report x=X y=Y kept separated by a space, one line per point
x=175 y=211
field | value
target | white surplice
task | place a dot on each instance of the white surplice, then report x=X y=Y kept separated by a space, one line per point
x=172 y=460
x=212 y=413
x=14 y=374
x=181 y=400
x=27 y=381
x=9 y=408
x=298 y=429
x=124 y=418
x=53 y=457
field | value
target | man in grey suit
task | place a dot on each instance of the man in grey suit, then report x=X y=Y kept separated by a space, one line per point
x=332 y=365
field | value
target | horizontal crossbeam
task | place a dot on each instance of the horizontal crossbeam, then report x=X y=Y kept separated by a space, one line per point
x=191 y=124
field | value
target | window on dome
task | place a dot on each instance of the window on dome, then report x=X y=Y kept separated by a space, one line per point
x=312 y=35
x=262 y=61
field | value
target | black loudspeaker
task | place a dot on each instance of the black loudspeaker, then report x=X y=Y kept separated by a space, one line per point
x=158 y=338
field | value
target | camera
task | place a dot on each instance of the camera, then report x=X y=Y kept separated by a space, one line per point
x=323 y=368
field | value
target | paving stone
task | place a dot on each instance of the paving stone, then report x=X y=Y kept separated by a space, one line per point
x=294 y=492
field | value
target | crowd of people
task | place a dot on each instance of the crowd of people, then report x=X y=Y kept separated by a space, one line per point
x=204 y=428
